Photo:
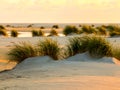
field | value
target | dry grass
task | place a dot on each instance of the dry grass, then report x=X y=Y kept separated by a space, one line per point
x=21 y=51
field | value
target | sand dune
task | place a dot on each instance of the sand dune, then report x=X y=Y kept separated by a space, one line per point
x=42 y=73
x=79 y=72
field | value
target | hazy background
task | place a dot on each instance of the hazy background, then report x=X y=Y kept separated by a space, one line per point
x=59 y=11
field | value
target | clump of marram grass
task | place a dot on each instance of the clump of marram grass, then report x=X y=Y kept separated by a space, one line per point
x=14 y=33
x=2 y=27
x=21 y=51
x=98 y=47
x=49 y=47
x=116 y=51
x=55 y=26
x=88 y=29
x=53 y=33
x=70 y=29
x=35 y=33
x=101 y=30
x=41 y=33
x=77 y=45
x=3 y=32
x=114 y=30
x=114 y=33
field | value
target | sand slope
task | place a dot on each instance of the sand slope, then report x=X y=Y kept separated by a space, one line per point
x=42 y=73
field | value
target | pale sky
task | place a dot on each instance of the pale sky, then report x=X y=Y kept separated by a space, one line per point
x=59 y=11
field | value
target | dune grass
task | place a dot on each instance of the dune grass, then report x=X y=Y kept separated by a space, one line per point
x=55 y=26
x=98 y=47
x=88 y=29
x=41 y=33
x=35 y=33
x=14 y=33
x=116 y=51
x=49 y=47
x=114 y=30
x=70 y=29
x=21 y=51
x=2 y=27
x=101 y=30
x=53 y=32
x=3 y=32
x=76 y=45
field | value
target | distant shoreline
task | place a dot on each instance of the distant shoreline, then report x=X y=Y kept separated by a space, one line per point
x=49 y=25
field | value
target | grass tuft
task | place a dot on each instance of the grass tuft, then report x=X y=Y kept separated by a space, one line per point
x=35 y=33
x=53 y=33
x=3 y=32
x=116 y=51
x=49 y=47
x=41 y=33
x=14 y=33
x=21 y=51
x=98 y=47
x=88 y=29
x=76 y=45
x=70 y=29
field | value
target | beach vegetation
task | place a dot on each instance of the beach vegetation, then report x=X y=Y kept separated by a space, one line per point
x=55 y=26
x=21 y=51
x=3 y=32
x=70 y=29
x=2 y=27
x=14 y=33
x=98 y=47
x=49 y=47
x=101 y=30
x=116 y=51
x=88 y=29
x=42 y=27
x=41 y=33
x=53 y=32
x=35 y=33
x=77 y=45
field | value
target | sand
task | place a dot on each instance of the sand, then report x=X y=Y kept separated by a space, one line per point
x=79 y=72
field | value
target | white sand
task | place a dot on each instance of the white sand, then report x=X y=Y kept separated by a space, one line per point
x=79 y=72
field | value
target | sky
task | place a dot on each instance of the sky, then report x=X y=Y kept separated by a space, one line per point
x=59 y=11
